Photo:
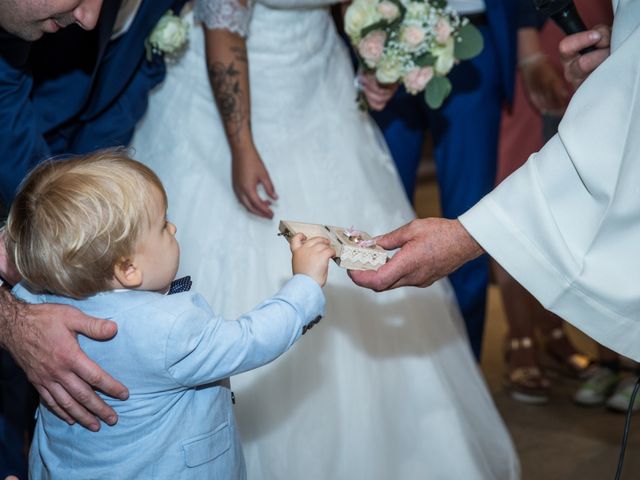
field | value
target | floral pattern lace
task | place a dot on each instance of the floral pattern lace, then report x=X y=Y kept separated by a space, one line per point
x=224 y=14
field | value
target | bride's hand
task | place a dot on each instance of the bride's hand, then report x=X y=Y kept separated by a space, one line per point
x=377 y=94
x=248 y=171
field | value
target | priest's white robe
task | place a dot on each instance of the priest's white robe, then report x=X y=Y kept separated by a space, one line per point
x=566 y=225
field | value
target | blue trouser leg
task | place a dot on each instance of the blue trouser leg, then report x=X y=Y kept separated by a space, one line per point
x=465 y=134
x=403 y=124
x=17 y=403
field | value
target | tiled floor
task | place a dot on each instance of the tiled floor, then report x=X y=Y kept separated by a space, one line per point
x=559 y=440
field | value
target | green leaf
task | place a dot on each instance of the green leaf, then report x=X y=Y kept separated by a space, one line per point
x=468 y=42
x=425 y=60
x=438 y=3
x=380 y=25
x=437 y=90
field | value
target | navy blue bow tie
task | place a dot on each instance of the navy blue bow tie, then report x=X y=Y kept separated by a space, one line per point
x=180 y=285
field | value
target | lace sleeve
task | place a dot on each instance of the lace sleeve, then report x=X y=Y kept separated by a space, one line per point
x=224 y=14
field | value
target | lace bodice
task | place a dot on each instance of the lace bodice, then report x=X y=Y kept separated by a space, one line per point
x=233 y=16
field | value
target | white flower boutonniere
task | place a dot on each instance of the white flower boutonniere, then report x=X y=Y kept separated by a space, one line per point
x=168 y=36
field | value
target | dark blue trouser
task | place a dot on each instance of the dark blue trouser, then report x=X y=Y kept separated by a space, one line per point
x=465 y=136
x=17 y=406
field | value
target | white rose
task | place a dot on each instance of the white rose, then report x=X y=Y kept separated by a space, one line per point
x=444 y=57
x=389 y=70
x=412 y=36
x=371 y=47
x=443 y=30
x=417 y=78
x=388 y=10
x=359 y=15
x=170 y=34
x=417 y=10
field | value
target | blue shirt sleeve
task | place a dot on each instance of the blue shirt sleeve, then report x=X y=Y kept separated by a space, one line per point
x=202 y=348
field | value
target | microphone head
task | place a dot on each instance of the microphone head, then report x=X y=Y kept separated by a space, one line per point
x=552 y=7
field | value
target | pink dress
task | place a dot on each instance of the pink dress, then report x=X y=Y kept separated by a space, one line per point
x=516 y=140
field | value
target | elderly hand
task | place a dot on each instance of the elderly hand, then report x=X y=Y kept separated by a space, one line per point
x=430 y=249
x=42 y=340
x=578 y=67
x=376 y=93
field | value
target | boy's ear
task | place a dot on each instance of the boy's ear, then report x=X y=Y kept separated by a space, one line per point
x=127 y=273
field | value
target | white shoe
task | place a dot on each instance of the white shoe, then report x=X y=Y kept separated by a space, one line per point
x=620 y=399
x=599 y=385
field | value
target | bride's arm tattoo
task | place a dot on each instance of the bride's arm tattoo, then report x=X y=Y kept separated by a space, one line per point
x=227 y=83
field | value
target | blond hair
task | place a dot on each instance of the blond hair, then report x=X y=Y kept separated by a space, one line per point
x=73 y=220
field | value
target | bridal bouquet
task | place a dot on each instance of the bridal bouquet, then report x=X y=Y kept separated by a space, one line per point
x=416 y=42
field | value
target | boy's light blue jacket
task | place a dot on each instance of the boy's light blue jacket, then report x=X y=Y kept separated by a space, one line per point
x=175 y=356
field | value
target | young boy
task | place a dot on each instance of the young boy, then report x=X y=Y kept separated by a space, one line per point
x=92 y=232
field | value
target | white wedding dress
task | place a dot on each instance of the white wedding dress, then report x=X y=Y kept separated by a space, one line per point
x=385 y=386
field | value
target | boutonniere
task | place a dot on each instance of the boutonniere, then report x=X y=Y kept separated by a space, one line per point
x=168 y=36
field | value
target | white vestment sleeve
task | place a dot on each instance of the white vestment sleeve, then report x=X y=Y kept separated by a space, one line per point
x=566 y=225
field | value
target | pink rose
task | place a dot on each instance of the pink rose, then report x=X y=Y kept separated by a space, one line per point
x=413 y=36
x=443 y=31
x=371 y=47
x=388 y=10
x=416 y=80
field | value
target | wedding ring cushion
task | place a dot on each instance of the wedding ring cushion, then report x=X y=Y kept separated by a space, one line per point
x=355 y=250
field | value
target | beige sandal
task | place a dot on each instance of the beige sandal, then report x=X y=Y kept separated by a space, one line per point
x=576 y=364
x=526 y=384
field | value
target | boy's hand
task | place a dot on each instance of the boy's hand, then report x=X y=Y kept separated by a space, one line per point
x=311 y=257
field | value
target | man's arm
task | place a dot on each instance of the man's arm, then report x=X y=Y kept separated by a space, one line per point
x=21 y=143
x=430 y=249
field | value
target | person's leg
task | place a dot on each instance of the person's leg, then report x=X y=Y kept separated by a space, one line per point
x=601 y=381
x=558 y=345
x=620 y=400
x=465 y=133
x=526 y=382
x=403 y=125
x=16 y=417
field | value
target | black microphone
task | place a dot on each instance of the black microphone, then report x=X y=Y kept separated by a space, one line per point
x=564 y=13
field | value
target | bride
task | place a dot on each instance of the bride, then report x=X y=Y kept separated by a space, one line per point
x=385 y=386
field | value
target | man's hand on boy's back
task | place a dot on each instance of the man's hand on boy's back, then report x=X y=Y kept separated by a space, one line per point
x=43 y=341
x=311 y=257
